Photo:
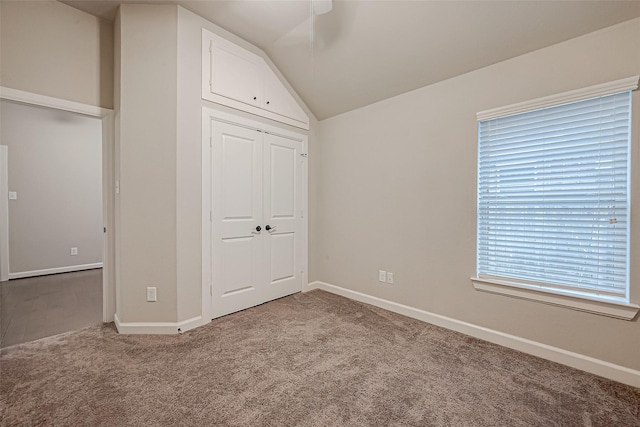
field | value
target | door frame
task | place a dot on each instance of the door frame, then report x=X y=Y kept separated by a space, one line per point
x=209 y=114
x=4 y=213
x=108 y=242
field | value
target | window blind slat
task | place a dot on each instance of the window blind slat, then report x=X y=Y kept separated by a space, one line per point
x=586 y=274
x=512 y=136
x=553 y=195
x=566 y=153
x=561 y=126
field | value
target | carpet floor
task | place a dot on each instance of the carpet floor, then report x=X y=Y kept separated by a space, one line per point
x=313 y=359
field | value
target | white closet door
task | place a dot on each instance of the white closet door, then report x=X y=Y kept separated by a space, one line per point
x=256 y=217
x=237 y=231
x=282 y=215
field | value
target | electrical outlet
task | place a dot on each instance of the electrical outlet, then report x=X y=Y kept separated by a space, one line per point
x=152 y=294
x=389 y=277
x=74 y=251
x=382 y=276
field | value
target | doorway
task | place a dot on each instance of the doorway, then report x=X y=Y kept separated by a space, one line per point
x=74 y=254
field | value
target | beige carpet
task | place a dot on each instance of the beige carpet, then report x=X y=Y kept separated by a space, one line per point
x=311 y=359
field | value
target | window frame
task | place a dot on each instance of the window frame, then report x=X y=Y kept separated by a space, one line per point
x=611 y=306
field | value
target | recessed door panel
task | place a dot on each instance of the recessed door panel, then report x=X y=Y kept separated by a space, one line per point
x=238 y=180
x=283 y=258
x=282 y=176
x=237 y=254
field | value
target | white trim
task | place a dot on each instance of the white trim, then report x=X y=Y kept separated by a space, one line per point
x=4 y=213
x=56 y=270
x=221 y=116
x=108 y=219
x=233 y=119
x=108 y=144
x=207 y=283
x=305 y=215
x=629 y=83
x=161 y=328
x=241 y=106
x=575 y=360
x=24 y=97
x=611 y=308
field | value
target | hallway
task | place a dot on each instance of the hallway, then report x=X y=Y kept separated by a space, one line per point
x=38 y=307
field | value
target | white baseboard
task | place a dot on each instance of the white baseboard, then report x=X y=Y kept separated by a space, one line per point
x=158 y=328
x=55 y=270
x=575 y=360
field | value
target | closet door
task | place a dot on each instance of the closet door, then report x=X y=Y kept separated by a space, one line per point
x=237 y=231
x=282 y=216
x=256 y=216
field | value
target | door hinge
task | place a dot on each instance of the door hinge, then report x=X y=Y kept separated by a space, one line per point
x=211 y=290
x=104 y=229
x=305 y=155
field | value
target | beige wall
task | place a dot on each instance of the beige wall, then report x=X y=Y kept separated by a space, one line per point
x=55 y=166
x=398 y=193
x=52 y=49
x=189 y=168
x=146 y=129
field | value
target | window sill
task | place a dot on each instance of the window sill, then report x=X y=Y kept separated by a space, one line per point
x=607 y=306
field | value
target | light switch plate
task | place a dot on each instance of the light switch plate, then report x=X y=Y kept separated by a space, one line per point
x=13 y=195
x=382 y=276
x=152 y=295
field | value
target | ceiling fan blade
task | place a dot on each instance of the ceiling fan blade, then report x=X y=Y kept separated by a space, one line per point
x=320 y=32
x=320 y=7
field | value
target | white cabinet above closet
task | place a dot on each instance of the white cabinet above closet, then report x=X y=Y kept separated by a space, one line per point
x=240 y=79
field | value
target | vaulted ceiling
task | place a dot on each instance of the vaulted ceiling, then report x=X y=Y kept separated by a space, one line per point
x=365 y=51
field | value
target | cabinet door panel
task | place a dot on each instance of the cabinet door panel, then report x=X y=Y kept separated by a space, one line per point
x=235 y=74
x=277 y=98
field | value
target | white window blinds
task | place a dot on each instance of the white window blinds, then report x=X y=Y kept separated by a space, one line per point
x=553 y=196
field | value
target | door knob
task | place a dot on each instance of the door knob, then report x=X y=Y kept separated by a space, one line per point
x=258 y=229
x=268 y=227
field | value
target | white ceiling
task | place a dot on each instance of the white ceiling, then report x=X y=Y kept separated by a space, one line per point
x=365 y=51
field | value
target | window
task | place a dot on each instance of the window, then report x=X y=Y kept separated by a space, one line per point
x=553 y=201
